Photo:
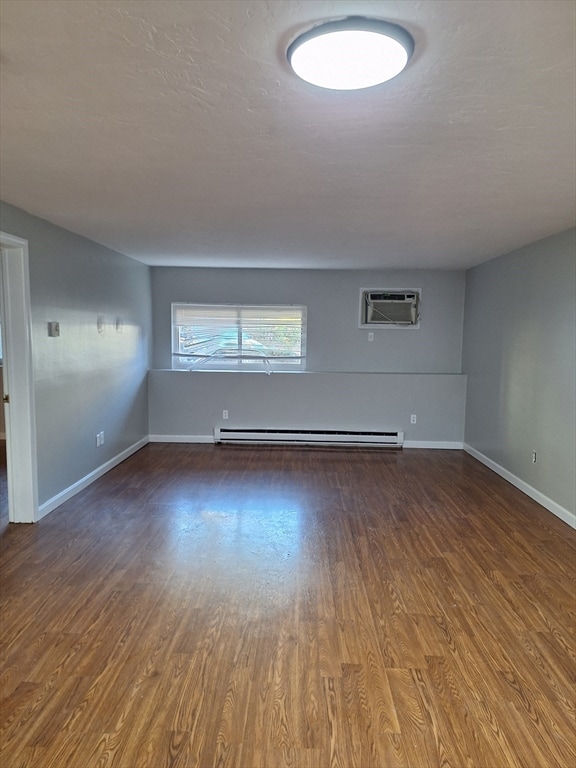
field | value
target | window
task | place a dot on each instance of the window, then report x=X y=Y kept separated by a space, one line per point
x=225 y=337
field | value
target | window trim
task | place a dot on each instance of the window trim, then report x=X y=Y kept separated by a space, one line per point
x=244 y=363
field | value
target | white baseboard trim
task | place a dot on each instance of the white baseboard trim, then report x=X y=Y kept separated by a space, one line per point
x=210 y=439
x=68 y=493
x=564 y=514
x=445 y=445
x=181 y=438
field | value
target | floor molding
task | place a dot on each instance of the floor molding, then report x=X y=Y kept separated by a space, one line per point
x=564 y=514
x=441 y=444
x=68 y=493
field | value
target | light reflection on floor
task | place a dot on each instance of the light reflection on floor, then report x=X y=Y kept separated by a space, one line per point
x=231 y=538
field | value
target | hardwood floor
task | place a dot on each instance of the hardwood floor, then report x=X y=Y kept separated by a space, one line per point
x=289 y=608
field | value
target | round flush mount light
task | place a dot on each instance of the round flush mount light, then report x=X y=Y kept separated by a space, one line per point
x=351 y=53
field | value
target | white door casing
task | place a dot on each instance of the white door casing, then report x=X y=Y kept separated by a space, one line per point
x=18 y=381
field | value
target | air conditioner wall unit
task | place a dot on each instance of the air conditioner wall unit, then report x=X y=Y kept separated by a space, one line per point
x=380 y=307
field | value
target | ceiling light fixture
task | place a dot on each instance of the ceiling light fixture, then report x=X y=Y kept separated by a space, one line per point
x=352 y=53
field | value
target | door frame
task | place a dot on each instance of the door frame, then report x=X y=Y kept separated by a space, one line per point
x=20 y=412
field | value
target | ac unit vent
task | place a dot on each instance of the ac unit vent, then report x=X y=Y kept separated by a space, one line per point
x=392 y=308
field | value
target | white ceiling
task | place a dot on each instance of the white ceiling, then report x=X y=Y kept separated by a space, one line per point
x=173 y=131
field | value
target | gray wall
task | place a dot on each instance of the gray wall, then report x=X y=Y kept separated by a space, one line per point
x=520 y=357
x=335 y=343
x=369 y=401
x=86 y=381
x=351 y=383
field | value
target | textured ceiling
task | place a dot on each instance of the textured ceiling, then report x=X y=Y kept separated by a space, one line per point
x=174 y=132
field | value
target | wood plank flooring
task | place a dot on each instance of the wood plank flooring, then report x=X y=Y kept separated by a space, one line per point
x=203 y=607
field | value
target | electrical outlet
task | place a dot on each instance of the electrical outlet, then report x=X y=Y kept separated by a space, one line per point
x=370 y=335
x=224 y=414
x=101 y=438
x=413 y=419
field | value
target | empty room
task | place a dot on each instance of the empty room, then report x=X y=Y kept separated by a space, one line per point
x=288 y=369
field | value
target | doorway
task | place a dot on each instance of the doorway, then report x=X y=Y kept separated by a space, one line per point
x=19 y=410
x=3 y=472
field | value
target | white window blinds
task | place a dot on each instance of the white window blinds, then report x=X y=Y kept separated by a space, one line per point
x=238 y=337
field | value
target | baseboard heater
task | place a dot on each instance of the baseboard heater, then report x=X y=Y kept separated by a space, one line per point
x=309 y=437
